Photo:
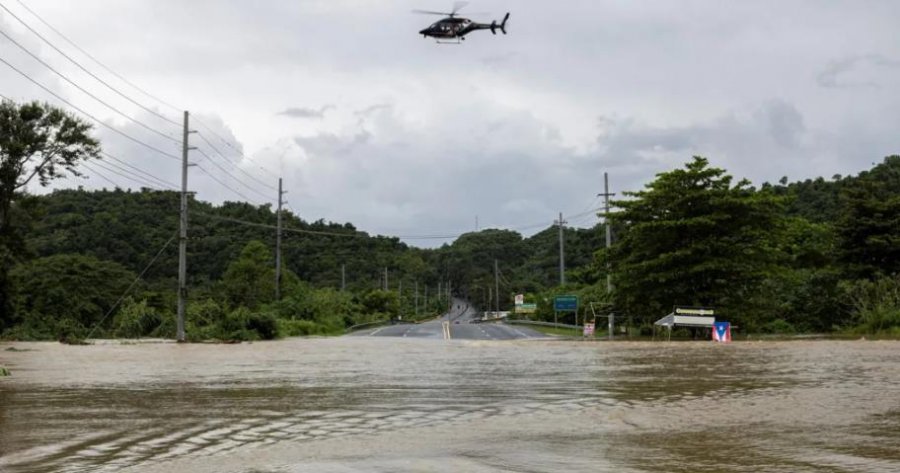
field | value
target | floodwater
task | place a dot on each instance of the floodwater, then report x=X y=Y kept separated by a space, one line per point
x=357 y=404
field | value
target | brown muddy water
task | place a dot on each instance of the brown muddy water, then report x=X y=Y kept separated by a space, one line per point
x=357 y=404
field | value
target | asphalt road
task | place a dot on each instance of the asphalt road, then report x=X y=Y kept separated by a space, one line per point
x=458 y=323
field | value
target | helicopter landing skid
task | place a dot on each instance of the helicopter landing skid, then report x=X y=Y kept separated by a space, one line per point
x=458 y=41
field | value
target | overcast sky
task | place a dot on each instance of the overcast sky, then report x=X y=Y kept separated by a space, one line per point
x=369 y=123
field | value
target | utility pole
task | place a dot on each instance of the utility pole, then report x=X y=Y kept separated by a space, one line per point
x=182 y=233
x=385 y=279
x=425 y=303
x=496 y=286
x=278 y=245
x=417 y=298
x=343 y=277
x=476 y=223
x=606 y=195
x=562 y=254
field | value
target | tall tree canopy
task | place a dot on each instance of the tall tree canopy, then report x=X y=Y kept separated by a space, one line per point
x=693 y=238
x=869 y=227
x=38 y=143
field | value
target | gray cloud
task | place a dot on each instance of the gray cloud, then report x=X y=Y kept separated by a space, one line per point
x=300 y=112
x=505 y=127
x=834 y=75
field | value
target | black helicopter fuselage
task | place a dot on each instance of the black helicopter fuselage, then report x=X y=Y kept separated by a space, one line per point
x=453 y=28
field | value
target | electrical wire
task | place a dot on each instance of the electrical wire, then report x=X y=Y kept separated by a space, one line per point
x=123 y=79
x=100 y=175
x=133 y=283
x=283 y=228
x=208 y=158
x=77 y=64
x=100 y=122
x=216 y=150
x=233 y=147
x=164 y=182
x=85 y=91
x=125 y=173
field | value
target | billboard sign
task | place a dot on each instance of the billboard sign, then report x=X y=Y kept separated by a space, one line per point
x=565 y=303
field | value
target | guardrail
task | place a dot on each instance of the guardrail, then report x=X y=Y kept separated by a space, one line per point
x=543 y=324
x=367 y=324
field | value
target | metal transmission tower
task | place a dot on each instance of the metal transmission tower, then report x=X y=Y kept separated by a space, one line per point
x=278 y=244
x=182 y=233
x=562 y=254
x=606 y=195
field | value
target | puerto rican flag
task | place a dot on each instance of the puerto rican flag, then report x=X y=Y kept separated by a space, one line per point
x=722 y=332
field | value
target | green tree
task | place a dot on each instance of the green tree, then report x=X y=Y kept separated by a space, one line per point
x=869 y=227
x=38 y=143
x=67 y=295
x=692 y=237
x=250 y=280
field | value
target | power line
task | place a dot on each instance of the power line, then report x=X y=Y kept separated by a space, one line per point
x=133 y=283
x=208 y=158
x=138 y=170
x=233 y=147
x=121 y=171
x=216 y=150
x=285 y=229
x=247 y=199
x=123 y=79
x=102 y=123
x=85 y=91
x=99 y=174
x=73 y=61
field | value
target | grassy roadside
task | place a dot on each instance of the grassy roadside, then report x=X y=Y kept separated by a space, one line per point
x=562 y=332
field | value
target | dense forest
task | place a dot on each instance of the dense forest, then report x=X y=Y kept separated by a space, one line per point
x=819 y=255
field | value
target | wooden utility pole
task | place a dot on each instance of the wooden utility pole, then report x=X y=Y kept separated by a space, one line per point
x=606 y=195
x=278 y=245
x=562 y=254
x=182 y=234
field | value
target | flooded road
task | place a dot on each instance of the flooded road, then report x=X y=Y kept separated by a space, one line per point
x=393 y=404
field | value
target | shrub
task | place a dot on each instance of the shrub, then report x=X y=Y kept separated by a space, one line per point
x=876 y=304
x=779 y=326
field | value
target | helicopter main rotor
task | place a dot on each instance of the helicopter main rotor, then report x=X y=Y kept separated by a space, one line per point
x=457 y=6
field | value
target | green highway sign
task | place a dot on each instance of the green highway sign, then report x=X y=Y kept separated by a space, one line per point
x=565 y=303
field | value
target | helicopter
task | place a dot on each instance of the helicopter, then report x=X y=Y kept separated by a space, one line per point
x=453 y=27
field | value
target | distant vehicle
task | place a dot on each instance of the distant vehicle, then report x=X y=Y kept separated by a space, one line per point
x=455 y=28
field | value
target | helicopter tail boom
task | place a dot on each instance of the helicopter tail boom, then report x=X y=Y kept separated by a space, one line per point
x=502 y=25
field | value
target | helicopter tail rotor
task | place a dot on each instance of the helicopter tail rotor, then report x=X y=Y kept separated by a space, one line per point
x=502 y=25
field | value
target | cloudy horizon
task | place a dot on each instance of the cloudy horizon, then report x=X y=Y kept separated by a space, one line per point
x=369 y=123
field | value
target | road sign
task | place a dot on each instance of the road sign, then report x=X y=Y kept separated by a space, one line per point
x=526 y=308
x=520 y=299
x=685 y=310
x=589 y=329
x=565 y=303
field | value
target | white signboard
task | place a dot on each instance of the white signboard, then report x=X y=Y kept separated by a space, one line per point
x=520 y=299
